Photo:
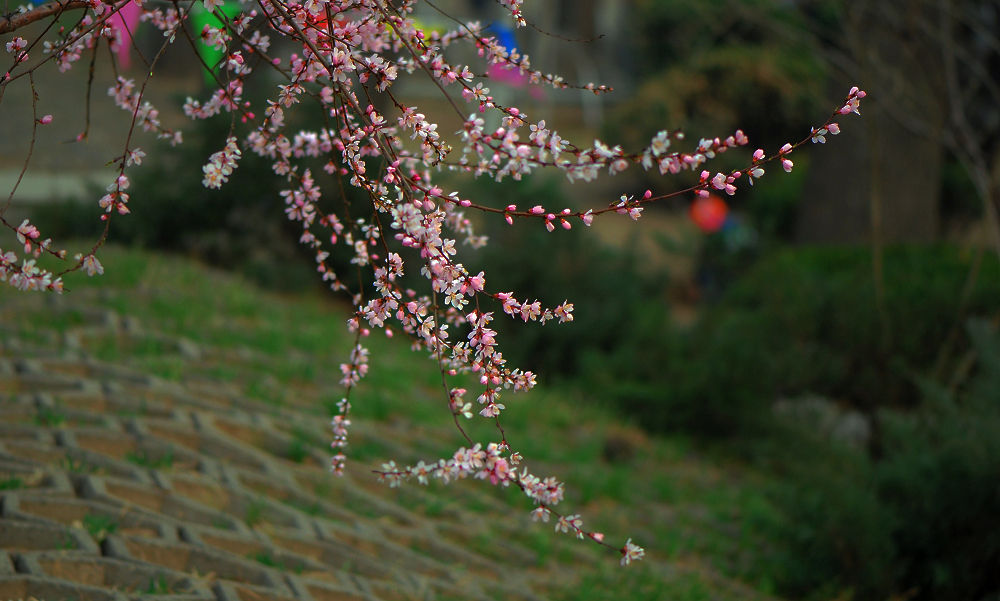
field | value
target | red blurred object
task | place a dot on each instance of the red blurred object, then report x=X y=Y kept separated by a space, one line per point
x=709 y=213
x=320 y=22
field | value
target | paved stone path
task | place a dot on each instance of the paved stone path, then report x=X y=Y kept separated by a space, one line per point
x=115 y=484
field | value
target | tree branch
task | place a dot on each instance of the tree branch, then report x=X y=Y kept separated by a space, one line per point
x=17 y=21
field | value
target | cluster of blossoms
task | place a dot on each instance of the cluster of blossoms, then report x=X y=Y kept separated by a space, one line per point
x=346 y=57
x=340 y=424
x=17 y=47
x=221 y=164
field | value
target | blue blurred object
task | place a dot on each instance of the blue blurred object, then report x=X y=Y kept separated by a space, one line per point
x=504 y=35
x=737 y=234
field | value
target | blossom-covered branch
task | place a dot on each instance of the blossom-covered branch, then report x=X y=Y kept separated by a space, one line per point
x=347 y=57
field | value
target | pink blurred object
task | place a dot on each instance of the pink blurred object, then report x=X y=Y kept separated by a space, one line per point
x=514 y=78
x=126 y=20
x=509 y=74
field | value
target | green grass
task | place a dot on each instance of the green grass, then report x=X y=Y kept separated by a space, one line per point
x=99 y=526
x=265 y=558
x=12 y=483
x=158 y=586
x=314 y=508
x=78 y=466
x=50 y=417
x=301 y=443
x=163 y=460
x=254 y=513
x=688 y=510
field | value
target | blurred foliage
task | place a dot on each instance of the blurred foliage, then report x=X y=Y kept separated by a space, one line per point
x=709 y=68
x=705 y=68
x=615 y=299
x=922 y=522
x=918 y=518
x=836 y=538
x=960 y=203
x=800 y=321
x=241 y=227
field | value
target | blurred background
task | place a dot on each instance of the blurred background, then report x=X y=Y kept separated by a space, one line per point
x=834 y=329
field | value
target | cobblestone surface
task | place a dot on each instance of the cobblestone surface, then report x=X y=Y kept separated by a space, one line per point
x=115 y=484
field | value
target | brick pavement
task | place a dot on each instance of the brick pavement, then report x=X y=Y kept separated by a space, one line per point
x=115 y=484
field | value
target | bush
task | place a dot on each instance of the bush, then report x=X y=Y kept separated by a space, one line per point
x=940 y=478
x=600 y=279
x=800 y=321
x=240 y=226
x=823 y=301
x=922 y=522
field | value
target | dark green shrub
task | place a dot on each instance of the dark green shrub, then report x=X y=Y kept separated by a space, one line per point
x=923 y=521
x=241 y=227
x=824 y=299
x=618 y=305
x=838 y=534
x=801 y=321
x=940 y=478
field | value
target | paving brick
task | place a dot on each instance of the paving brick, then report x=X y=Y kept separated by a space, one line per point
x=261 y=434
x=15 y=475
x=18 y=535
x=131 y=578
x=32 y=452
x=6 y=565
x=35 y=587
x=207 y=442
x=26 y=432
x=257 y=546
x=121 y=484
x=325 y=591
x=49 y=407
x=139 y=449
x=227 y=591
x=156 y=502
x=196 y=560
x=85 y=461
x=79 y=512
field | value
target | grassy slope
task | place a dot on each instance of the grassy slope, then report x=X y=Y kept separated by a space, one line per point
x=695 y=516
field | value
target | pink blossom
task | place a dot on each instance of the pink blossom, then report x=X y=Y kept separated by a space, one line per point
x=342 y=59
x=631 y=552
x=92 y=266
